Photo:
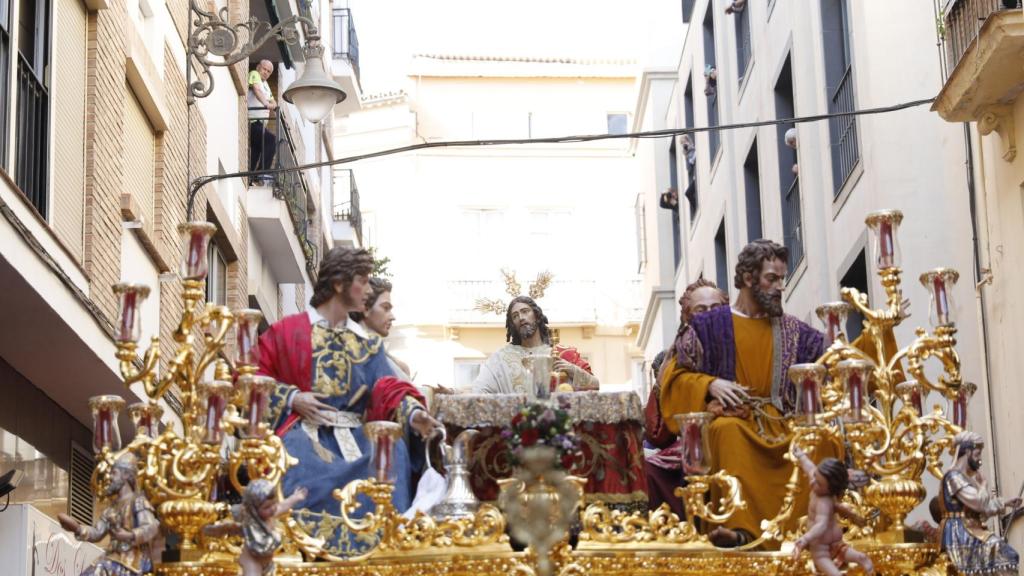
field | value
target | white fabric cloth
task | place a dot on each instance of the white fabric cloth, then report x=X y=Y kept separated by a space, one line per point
x=503 y=372
x=341 y=424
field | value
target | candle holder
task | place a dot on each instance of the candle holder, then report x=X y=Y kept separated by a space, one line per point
x=833 y=316
x=129 y=309
x=216 y=395
x=912 y=396
x=884 y=225
x=383 y=435
x=247 y=322
x=106 y=434
x=146 y=418
x=254 y=391
x=939 y=283
x=959 y=402
x=693 y=437
x=195 y=237
x=855 y=376
x=808 y=379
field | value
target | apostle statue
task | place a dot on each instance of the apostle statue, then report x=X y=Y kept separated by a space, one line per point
x=129 y=521
x=968 y=504
x=332 y=377
x=526 y=331
x=732 y=361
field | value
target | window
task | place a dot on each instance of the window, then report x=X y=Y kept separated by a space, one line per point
x=217 y=278
x=711 y=80
x=856 y=276
x=835 y=27
x=721 y=259
x=752 y=191
x=641 y=228
x=688 y=10
x=673 y=182
x=743 y=41
x=466 y=371
x=692 y=196
x=31 y=147
x=618 y=124
x=789 y=183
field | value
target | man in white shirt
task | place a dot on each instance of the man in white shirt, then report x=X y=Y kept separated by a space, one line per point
x=261 y=103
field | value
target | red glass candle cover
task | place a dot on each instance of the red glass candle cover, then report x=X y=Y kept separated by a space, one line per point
x=129 y=310
x=809 y=390
x=257 y=409
x=104 y=430
x=215 y=405
x=693 y=449
x=855 y=386
x=886 y=246
x=960 y=409
x=941 y=300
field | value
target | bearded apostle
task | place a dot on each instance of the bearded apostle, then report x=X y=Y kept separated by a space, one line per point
x=732 y=361
x=332 y=377
x=526 y=331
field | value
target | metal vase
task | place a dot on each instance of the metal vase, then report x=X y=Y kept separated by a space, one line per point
x=459 y=500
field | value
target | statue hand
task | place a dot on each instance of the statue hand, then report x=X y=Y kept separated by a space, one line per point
x=728 y=393
x=798 y=547
x=300 y=494
x=425 y=424
x=68 y=523
x=904 y=312
x=309 y=406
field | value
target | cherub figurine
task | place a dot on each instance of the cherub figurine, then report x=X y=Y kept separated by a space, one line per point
x=129 y=521
x=824 y=538
x=255 y=520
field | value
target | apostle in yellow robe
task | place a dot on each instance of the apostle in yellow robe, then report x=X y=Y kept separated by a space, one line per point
x=733 y=361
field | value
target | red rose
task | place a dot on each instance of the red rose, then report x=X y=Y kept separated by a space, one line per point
x=530 y=437
x=567 y=461
x=517 y=419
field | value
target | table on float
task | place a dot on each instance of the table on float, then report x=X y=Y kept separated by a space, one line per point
x=609 y=427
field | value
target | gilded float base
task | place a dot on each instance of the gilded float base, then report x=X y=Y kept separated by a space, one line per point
x=910 y=559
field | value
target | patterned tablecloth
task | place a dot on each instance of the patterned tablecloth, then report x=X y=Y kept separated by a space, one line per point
x=609 y=426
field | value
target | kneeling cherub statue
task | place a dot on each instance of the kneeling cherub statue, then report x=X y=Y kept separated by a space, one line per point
x=824 y=536
x=255 y=520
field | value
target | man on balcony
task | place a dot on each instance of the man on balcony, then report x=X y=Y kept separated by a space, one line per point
x=526 y=330
x=262 y=141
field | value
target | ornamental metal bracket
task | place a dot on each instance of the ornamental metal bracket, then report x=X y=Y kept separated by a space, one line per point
x=214 y=41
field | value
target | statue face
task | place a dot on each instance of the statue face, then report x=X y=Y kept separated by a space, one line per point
x=355 y=297
x=524 y=319
x=117 y=479
x=380 y=316
x=974 y=459
x=701 y=300
x=768 y=286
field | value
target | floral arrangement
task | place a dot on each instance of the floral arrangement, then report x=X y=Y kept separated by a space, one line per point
x=538 y=424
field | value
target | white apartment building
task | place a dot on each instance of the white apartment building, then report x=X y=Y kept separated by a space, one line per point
x=779 y=60
x=450 y=219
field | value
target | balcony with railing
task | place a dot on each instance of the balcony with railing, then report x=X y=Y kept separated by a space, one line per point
x=347 y=219
x=279 y=206
x=32 y=126
x=983 y=42
x=843 y=130
x=345 y=59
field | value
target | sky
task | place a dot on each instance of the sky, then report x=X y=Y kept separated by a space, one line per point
x=391 y=31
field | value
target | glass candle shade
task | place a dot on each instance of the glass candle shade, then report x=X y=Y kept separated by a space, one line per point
x=884 y=225
x=808 y=379
x=247 y=322
x=129 y=310
x=216 y=395
x=105 y=431
x=383 y=435
x=855 y=376
x=538 y=368
x=959 y=402
x=833 y=316
x=939 y=283
x=694 y=443
x=255 y=393
x=912 y=395
x=195 y=238
x=146 y=418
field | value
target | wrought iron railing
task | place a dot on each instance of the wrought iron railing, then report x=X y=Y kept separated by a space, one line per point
x=792 y=224
x=5 y=66
x=289 y=186
x=744 y=44
x=345 y=206
x=32 y=136
x=346 y=42
x=963 y=21
x=844 y=147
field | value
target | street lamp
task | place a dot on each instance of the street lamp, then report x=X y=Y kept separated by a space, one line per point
x=314 y=93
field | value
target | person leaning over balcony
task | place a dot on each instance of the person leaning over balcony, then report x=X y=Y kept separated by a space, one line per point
x=332 y=377
x=379 y=317
x=262 y=142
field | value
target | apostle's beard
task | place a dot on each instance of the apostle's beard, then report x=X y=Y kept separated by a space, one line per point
x=974 y=463
x=526 y=330
x=769 y=300
x=115 y=486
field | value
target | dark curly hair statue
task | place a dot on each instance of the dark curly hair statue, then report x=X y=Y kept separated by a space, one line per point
x=339 y=266
x=835 y=474
x=512 y=335
x=378 y=286
x=754 y=255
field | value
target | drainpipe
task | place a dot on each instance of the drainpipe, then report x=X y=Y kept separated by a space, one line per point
x=982 y=276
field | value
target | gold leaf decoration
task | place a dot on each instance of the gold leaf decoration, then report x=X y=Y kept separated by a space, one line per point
x=538 y=286
x=489 y=305
x=512 y=286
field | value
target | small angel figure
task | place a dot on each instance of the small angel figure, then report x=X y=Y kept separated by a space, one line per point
x=255 y=520
x=824 y=538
